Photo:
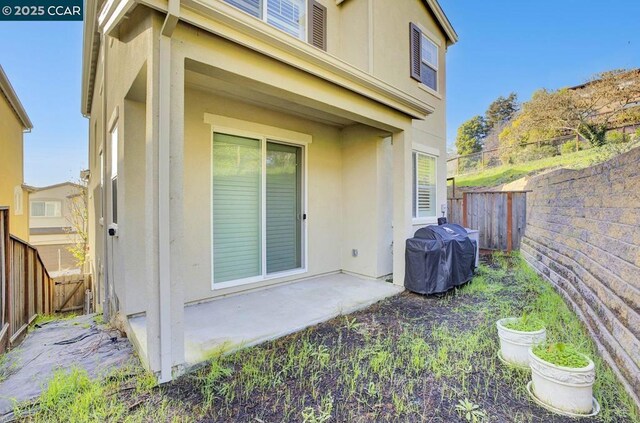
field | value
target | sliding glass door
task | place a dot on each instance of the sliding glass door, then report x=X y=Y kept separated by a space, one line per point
x=257 y=208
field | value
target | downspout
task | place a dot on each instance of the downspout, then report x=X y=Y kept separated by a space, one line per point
x=164 y=199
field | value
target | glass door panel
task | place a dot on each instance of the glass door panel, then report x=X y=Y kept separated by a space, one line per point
x=237 y=207
x=284 y=207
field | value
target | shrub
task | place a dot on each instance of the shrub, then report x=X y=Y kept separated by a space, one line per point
x=616 y=137
x=561 y=355
x=570 y=147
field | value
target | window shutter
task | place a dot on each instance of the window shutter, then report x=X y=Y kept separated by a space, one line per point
x=415 y=40
x=317 y=25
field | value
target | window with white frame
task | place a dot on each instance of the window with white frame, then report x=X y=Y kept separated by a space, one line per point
x=46 y=208
x=114 y=173
x=289 y=16
x=429 y=63
x=101 y=164
x=424 y=185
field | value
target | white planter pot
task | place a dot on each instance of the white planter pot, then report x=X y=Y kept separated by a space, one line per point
x=563 y=388
x=514 y=344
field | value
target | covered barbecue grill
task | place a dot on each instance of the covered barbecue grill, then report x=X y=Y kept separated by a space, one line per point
x=439 y=258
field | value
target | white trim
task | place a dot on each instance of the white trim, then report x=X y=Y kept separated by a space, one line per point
x=253 y=129
x=430 y=90
x=419 y=220
x=421 y=148
x=263 y=133
x=429 y=34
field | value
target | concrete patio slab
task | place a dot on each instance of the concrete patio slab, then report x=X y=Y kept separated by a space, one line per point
x=248 y=319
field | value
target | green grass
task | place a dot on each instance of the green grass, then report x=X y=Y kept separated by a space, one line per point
x=381 y=364
x=508 y=173
x=526 y=323
x=561 y=354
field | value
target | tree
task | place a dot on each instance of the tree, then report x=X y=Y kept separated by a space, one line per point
x=586 y=111
x=78 y=224
x=501 y=111
x=471 y=136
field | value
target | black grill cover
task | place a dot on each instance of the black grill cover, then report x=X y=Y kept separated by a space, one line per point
x=439 y=258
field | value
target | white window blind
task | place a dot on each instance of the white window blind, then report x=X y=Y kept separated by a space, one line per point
x=289 y=16
x=237 y=211
x=46 y=208
x=424 y=186
x=283 y=207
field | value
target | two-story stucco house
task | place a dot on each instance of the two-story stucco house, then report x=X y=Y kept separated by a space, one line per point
x=53 y=210
x=14 y=121
x=242 y=145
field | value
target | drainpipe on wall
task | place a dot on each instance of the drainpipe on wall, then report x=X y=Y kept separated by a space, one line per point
x=164 y=171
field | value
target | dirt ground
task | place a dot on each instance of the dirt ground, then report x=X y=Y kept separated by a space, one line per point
x=461 y=345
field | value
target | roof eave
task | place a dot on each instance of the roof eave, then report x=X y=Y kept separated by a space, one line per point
x=89 y=54
x=443 y=20
x=14 y=101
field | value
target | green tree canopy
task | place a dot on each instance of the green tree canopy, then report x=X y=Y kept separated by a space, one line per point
x=501 y=110
x=587 y=110
x=471 y=136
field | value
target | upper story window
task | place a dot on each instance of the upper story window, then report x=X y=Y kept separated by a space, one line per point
x=424 y=58
x=289 y=16
x=46 y=208
x=304 y=19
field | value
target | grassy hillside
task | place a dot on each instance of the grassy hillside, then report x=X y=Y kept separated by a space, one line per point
x=509 y=173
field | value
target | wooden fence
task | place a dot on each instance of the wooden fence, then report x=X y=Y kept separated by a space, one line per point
x=500 y=216
x=27 y=289
x=70 y=292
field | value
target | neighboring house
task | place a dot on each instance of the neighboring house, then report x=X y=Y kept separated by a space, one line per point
x=50 y=228
x=13 y=123
x=240 y=144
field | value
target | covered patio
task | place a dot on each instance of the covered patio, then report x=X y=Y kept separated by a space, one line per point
x=246 y=319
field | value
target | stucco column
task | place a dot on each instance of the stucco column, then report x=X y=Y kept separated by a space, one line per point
x=177 y=214
x=152 y=310
x=164 y=205
x=402 y=200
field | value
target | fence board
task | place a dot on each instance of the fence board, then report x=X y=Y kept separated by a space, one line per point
x=25 y=282
x=69 y=292
x=492 y=213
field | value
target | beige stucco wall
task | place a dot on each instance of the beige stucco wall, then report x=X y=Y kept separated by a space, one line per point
x=125 y=58
x=11 y=170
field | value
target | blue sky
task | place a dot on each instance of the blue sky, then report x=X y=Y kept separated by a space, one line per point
x=505 y=46
x=523 y=45
x=43 y=63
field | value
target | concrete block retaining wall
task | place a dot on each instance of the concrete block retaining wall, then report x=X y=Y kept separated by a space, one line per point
x=583 y=235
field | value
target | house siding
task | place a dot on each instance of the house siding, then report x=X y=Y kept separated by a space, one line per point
x=11 y=169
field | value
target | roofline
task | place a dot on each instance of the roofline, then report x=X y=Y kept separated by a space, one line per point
x=61 y=184
x=14 y=101
x=89 y=55
x=443 y=20
x=586 y=84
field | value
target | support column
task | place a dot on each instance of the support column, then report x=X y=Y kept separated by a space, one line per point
x=177 y=215
x=164 y=203
x=402 y=200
